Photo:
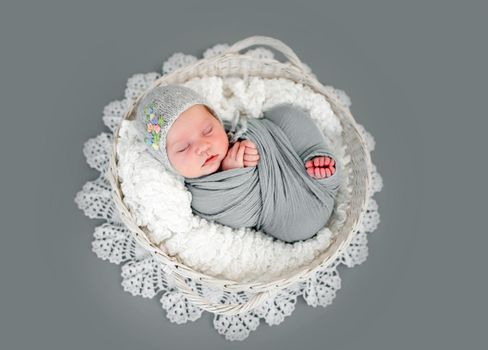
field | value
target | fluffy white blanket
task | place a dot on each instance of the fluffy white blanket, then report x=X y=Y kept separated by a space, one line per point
x=161 y=201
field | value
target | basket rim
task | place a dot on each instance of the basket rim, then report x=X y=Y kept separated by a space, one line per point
x=176 y=266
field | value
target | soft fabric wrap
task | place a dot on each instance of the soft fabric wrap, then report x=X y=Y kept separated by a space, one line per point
x=277 y=196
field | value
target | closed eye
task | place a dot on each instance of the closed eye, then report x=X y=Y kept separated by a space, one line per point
x=208 y=132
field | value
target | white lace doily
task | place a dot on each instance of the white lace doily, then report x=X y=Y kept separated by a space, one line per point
x=143 y=276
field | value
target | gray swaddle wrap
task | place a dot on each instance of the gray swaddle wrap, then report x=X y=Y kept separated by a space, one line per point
x=277 y=196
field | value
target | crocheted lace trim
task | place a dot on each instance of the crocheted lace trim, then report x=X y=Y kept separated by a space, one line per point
x=143 y=276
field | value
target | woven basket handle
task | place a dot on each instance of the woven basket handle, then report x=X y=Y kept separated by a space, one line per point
x=222 y=309
x=271 y=42
x=260 y=297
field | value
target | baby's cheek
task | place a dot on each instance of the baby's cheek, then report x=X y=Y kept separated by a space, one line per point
x=224 y=146
x=179 y=162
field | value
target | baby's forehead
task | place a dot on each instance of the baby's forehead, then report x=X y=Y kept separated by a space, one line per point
x=192 y=123
x=195 y=120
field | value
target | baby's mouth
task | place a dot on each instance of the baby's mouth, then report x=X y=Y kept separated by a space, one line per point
x=210 y=159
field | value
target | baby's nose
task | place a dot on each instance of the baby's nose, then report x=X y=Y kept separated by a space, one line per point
x=203 y=147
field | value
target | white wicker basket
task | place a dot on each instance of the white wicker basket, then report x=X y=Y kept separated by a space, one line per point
x=232 y=63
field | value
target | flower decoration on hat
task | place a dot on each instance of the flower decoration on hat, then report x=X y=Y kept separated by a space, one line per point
x=154 y=124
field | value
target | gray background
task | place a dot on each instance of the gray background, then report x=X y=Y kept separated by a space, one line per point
x=416 y=73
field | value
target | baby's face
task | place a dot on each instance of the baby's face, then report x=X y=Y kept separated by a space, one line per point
x=195 y=136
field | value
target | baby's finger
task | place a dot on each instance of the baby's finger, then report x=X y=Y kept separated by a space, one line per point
x=251 y=157
x=250 y=150
x=249 y=143
x=308 y=164
x=327 y=160
x=246 y=164
x=233 y=150
x=316 y=161
x=321 y=161
x=240 y=152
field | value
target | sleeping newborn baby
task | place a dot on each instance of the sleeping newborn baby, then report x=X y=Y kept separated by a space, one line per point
x=274 y=174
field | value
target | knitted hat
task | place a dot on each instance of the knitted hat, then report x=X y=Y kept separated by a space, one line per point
x=158 y=110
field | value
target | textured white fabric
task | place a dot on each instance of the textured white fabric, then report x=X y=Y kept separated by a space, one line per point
x=144 y=276
x=161 y=202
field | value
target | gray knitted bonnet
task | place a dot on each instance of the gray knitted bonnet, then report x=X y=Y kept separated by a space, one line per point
x=158 y=110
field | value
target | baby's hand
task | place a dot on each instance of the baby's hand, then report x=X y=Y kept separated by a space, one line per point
x=241 y=154
x=251 y=156
x=320 y=167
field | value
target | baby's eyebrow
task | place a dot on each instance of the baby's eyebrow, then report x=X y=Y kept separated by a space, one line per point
x=177 y=143
x=174 y=144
